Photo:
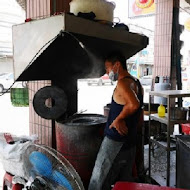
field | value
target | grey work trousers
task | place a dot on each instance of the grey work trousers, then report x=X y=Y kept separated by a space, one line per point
x=112 y=165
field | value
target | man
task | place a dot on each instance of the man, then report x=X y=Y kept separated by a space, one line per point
x=117 y=153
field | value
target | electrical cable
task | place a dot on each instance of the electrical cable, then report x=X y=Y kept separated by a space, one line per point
x=30 y=63
x=35 y=56
x=80 y=43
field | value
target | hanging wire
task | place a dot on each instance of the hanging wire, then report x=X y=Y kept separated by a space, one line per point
x=30 y=63
x=40 y=51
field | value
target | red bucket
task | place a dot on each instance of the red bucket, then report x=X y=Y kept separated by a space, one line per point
x=186 y=128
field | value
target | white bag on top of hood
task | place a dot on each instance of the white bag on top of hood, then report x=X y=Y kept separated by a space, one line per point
x=102 y=9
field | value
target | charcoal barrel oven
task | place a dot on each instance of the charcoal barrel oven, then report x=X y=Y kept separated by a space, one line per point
x=62 y=49
x=79 y=140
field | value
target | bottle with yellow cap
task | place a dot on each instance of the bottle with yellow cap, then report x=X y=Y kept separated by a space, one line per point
x=161 y=111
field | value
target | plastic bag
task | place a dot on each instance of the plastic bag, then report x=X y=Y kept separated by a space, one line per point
x=13 y=155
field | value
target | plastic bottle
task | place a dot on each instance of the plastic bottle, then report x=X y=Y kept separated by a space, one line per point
x=161 y=111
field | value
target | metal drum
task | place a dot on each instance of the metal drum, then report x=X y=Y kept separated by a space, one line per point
x=79 y=139
x=182 y=161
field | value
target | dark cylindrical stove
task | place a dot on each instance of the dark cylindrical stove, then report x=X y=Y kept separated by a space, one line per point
x=183 y=161
x=107 y=110
x=79 y=139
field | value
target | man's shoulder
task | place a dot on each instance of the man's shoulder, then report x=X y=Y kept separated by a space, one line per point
x=127 y=80
x=124 y=85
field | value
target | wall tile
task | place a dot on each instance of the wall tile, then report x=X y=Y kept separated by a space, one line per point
x=162 y=42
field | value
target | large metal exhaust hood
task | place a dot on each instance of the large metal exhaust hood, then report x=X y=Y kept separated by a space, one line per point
x=63 y=49
x=65 y=56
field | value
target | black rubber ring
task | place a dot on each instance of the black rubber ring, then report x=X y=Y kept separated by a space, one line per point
x=59 y=100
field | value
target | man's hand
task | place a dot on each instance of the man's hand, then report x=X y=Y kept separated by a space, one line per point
x=120 y=126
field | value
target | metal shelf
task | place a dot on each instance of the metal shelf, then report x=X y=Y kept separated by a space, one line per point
x=168 y=146
x=165 y=119
x=171 y=93
x=159 y=119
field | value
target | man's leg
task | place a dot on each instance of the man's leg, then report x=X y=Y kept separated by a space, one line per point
x=121 y=169
x=127 y=165
x=106 y=155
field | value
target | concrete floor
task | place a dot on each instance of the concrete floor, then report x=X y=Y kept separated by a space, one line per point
x=16 y=121
x=159 y=166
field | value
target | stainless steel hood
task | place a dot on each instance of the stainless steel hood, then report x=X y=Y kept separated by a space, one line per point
x=64 y=56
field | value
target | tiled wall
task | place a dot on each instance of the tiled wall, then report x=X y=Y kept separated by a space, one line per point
x=44 y=8
x=38 y=125
x=36 y=9
x=163 y=34
x=41 y=127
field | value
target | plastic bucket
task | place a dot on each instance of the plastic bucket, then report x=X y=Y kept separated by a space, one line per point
x=186 y=128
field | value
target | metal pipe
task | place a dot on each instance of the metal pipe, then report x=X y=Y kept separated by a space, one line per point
x=149 y=150
x=168 y=144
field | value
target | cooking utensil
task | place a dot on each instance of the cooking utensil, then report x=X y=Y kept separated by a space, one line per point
x=179 y=113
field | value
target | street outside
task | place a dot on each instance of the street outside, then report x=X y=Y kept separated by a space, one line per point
x=93 y=98
x=14 y=120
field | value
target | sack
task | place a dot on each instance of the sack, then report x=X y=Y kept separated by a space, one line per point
x=14 y=157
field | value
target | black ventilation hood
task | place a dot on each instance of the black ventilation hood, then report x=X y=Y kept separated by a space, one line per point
x=77 y=50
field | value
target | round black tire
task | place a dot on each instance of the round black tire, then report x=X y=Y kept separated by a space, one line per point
x=59 y=105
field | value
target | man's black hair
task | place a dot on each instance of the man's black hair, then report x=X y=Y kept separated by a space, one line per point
x=117 y=56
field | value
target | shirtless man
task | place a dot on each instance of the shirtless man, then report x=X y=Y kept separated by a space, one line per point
x=117 y=153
